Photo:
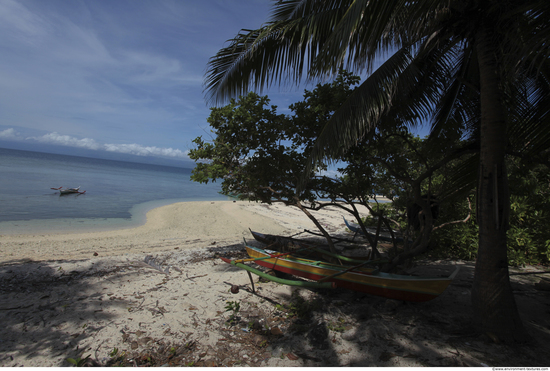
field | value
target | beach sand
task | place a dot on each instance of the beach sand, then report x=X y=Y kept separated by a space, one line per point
x=158 y=295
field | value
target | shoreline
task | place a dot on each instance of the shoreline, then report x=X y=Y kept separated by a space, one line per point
x=138 y=217
x=182 y=225
x=91 y=225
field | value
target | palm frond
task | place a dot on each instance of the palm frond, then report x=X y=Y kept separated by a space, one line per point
x=459 y=101
x=463 y=179
x=410 y=86
x=279 y=52
x=529 y=127
x=362 y=110
x=527 y=40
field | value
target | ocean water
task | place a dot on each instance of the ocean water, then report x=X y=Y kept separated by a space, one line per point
x=118 y=194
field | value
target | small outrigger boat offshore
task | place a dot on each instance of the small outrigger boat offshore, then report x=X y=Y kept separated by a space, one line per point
x=66 y=191
x=362 y=276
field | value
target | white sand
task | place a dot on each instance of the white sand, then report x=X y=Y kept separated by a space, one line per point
x=184 y=225
x=79 y=294
x=83 y=291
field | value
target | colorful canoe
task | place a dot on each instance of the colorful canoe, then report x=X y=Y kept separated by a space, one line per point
x=363 y=279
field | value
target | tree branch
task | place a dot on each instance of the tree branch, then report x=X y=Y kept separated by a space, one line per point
x=457 y=221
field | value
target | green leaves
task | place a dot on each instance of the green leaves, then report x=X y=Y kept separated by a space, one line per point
x=234 y=307
x=79 y=362
x=242 y=131
x=529 y=236
x=260 y=154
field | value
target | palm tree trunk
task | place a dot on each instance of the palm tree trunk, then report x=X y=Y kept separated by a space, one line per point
x=495 y=310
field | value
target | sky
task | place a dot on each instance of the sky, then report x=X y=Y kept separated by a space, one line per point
x=115 y=77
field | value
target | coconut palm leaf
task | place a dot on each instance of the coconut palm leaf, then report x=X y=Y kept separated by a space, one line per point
x=278 y=52
x=530 y=128
x=404 y=89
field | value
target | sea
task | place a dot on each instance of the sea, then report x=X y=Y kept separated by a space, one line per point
x=118 y=194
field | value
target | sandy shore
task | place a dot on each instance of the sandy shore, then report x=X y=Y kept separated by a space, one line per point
x=157 y=294
x=185 y=225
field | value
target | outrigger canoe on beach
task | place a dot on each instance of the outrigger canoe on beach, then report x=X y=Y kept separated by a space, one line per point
x=382 y=237
x=302 y=249
x=354 y=277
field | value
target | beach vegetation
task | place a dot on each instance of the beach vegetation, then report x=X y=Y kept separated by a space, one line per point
x=392 y=163
x=79 y=362
x=528 y=236
x=337 y=326
x=234 y=307
x=260 y=154
x=477 y=69
x=416 y=175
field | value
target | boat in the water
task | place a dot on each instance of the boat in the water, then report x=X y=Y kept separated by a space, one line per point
x=66 y=191
x=359 y=277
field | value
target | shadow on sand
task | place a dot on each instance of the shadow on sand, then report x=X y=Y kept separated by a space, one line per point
x=43 y=300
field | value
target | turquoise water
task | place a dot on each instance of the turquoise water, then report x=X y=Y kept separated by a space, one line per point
x=118 y=194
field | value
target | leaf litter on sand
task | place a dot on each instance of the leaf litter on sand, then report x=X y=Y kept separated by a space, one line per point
x=236 y=347
x=348 y=329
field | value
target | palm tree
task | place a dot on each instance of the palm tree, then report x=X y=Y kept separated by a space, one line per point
x=480 y=66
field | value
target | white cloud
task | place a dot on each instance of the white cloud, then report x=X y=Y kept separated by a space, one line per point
x=22 y=24
x=66 y=140
x=9 y=134
x=88 y=143
x=139 y=150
